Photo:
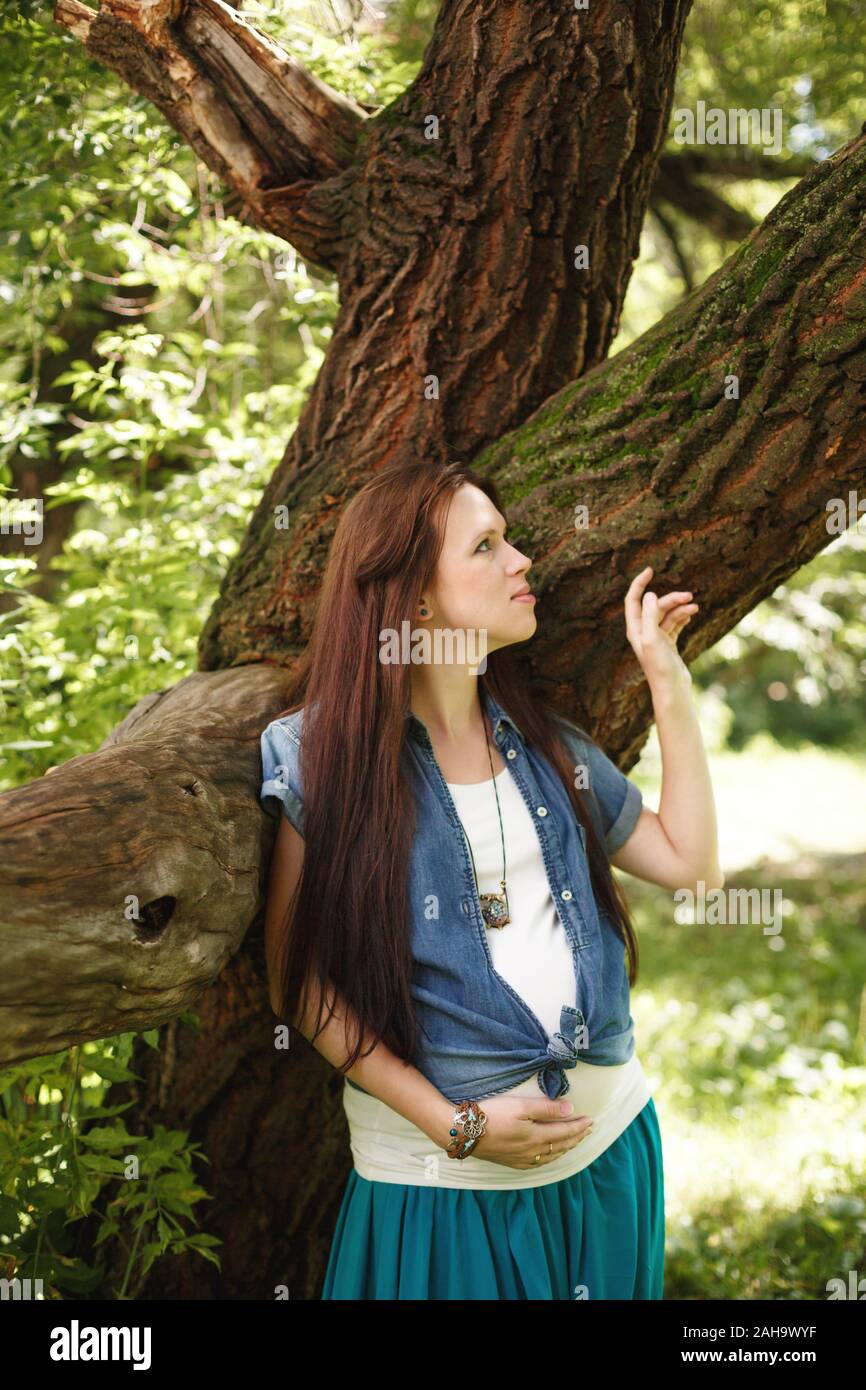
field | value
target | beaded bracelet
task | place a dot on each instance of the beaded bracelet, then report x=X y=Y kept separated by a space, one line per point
x=468 y=1124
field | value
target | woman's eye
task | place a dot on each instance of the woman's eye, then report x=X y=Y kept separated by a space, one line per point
x=480 y=543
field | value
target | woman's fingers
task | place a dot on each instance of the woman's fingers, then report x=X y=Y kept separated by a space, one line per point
x=632 y=604
x=639 y=583
x=673 y=600
x=679 y=609
x=678 y=617
x=542 y=1144
x=560 y=1131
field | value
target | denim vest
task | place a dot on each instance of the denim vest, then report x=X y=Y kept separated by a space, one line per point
x=478 y=1036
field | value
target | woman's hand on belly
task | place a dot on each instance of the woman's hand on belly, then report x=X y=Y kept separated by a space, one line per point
x=519 y=1127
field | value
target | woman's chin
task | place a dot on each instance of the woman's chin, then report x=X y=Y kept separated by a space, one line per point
x=526 y=622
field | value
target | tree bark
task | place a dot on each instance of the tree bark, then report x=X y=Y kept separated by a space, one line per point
x=455 y=259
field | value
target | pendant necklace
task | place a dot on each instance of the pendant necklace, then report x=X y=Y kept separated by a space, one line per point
x=494 y=906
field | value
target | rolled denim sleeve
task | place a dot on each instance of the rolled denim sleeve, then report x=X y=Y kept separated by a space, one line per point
x=618 y=800
x=282 y=792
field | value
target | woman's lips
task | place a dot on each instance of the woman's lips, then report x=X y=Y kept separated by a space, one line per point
x=523 y=598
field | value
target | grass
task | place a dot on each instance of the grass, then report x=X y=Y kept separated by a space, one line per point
x=755 y=1045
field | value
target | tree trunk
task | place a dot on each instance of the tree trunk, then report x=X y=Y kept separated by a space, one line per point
x=465 y=329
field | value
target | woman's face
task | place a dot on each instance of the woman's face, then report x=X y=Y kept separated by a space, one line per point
x=479 y=573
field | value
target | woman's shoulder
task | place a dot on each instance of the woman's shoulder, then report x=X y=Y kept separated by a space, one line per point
x=282 y=779
x=290 y=725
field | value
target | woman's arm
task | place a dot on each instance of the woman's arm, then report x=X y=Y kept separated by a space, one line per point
x=677 y=846
x=385 y=1075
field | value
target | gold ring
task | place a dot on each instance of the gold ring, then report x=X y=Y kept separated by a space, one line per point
x=538 y=1158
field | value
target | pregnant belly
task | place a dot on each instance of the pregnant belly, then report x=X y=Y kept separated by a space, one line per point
x=386 y=1147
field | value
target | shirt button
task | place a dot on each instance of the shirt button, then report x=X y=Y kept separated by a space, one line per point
x=541 y=810
x=566 y=895
x=511 y=753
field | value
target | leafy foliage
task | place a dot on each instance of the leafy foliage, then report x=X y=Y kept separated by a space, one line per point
x=155 y=353
x=65 y=1153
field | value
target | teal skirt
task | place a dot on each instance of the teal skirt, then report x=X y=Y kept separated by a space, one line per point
x=599 y=1234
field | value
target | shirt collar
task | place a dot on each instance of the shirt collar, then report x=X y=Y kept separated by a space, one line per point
x=498 y=718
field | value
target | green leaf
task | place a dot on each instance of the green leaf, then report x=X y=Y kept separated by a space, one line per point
x=110 y=1069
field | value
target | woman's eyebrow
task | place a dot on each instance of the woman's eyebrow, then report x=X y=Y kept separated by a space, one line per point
x=487 y=532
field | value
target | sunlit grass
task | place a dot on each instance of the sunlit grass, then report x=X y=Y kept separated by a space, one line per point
x=776 y=802
x=755 y=1045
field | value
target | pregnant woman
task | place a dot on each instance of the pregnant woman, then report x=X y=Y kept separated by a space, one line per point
x=442 y=921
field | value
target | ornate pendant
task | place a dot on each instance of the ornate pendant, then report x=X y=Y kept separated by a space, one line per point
x=494 y=909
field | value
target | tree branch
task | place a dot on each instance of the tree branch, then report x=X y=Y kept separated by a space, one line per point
x=785 y=313
x=723 y=162
x=702 y=204
x=136 y=925
x=272 y=131
x=708 y=449
x=673 y=241
x=678 y=183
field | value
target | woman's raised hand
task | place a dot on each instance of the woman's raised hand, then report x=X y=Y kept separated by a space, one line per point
x=653 y=625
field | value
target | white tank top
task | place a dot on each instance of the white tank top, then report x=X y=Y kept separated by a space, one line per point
x=533 y=954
